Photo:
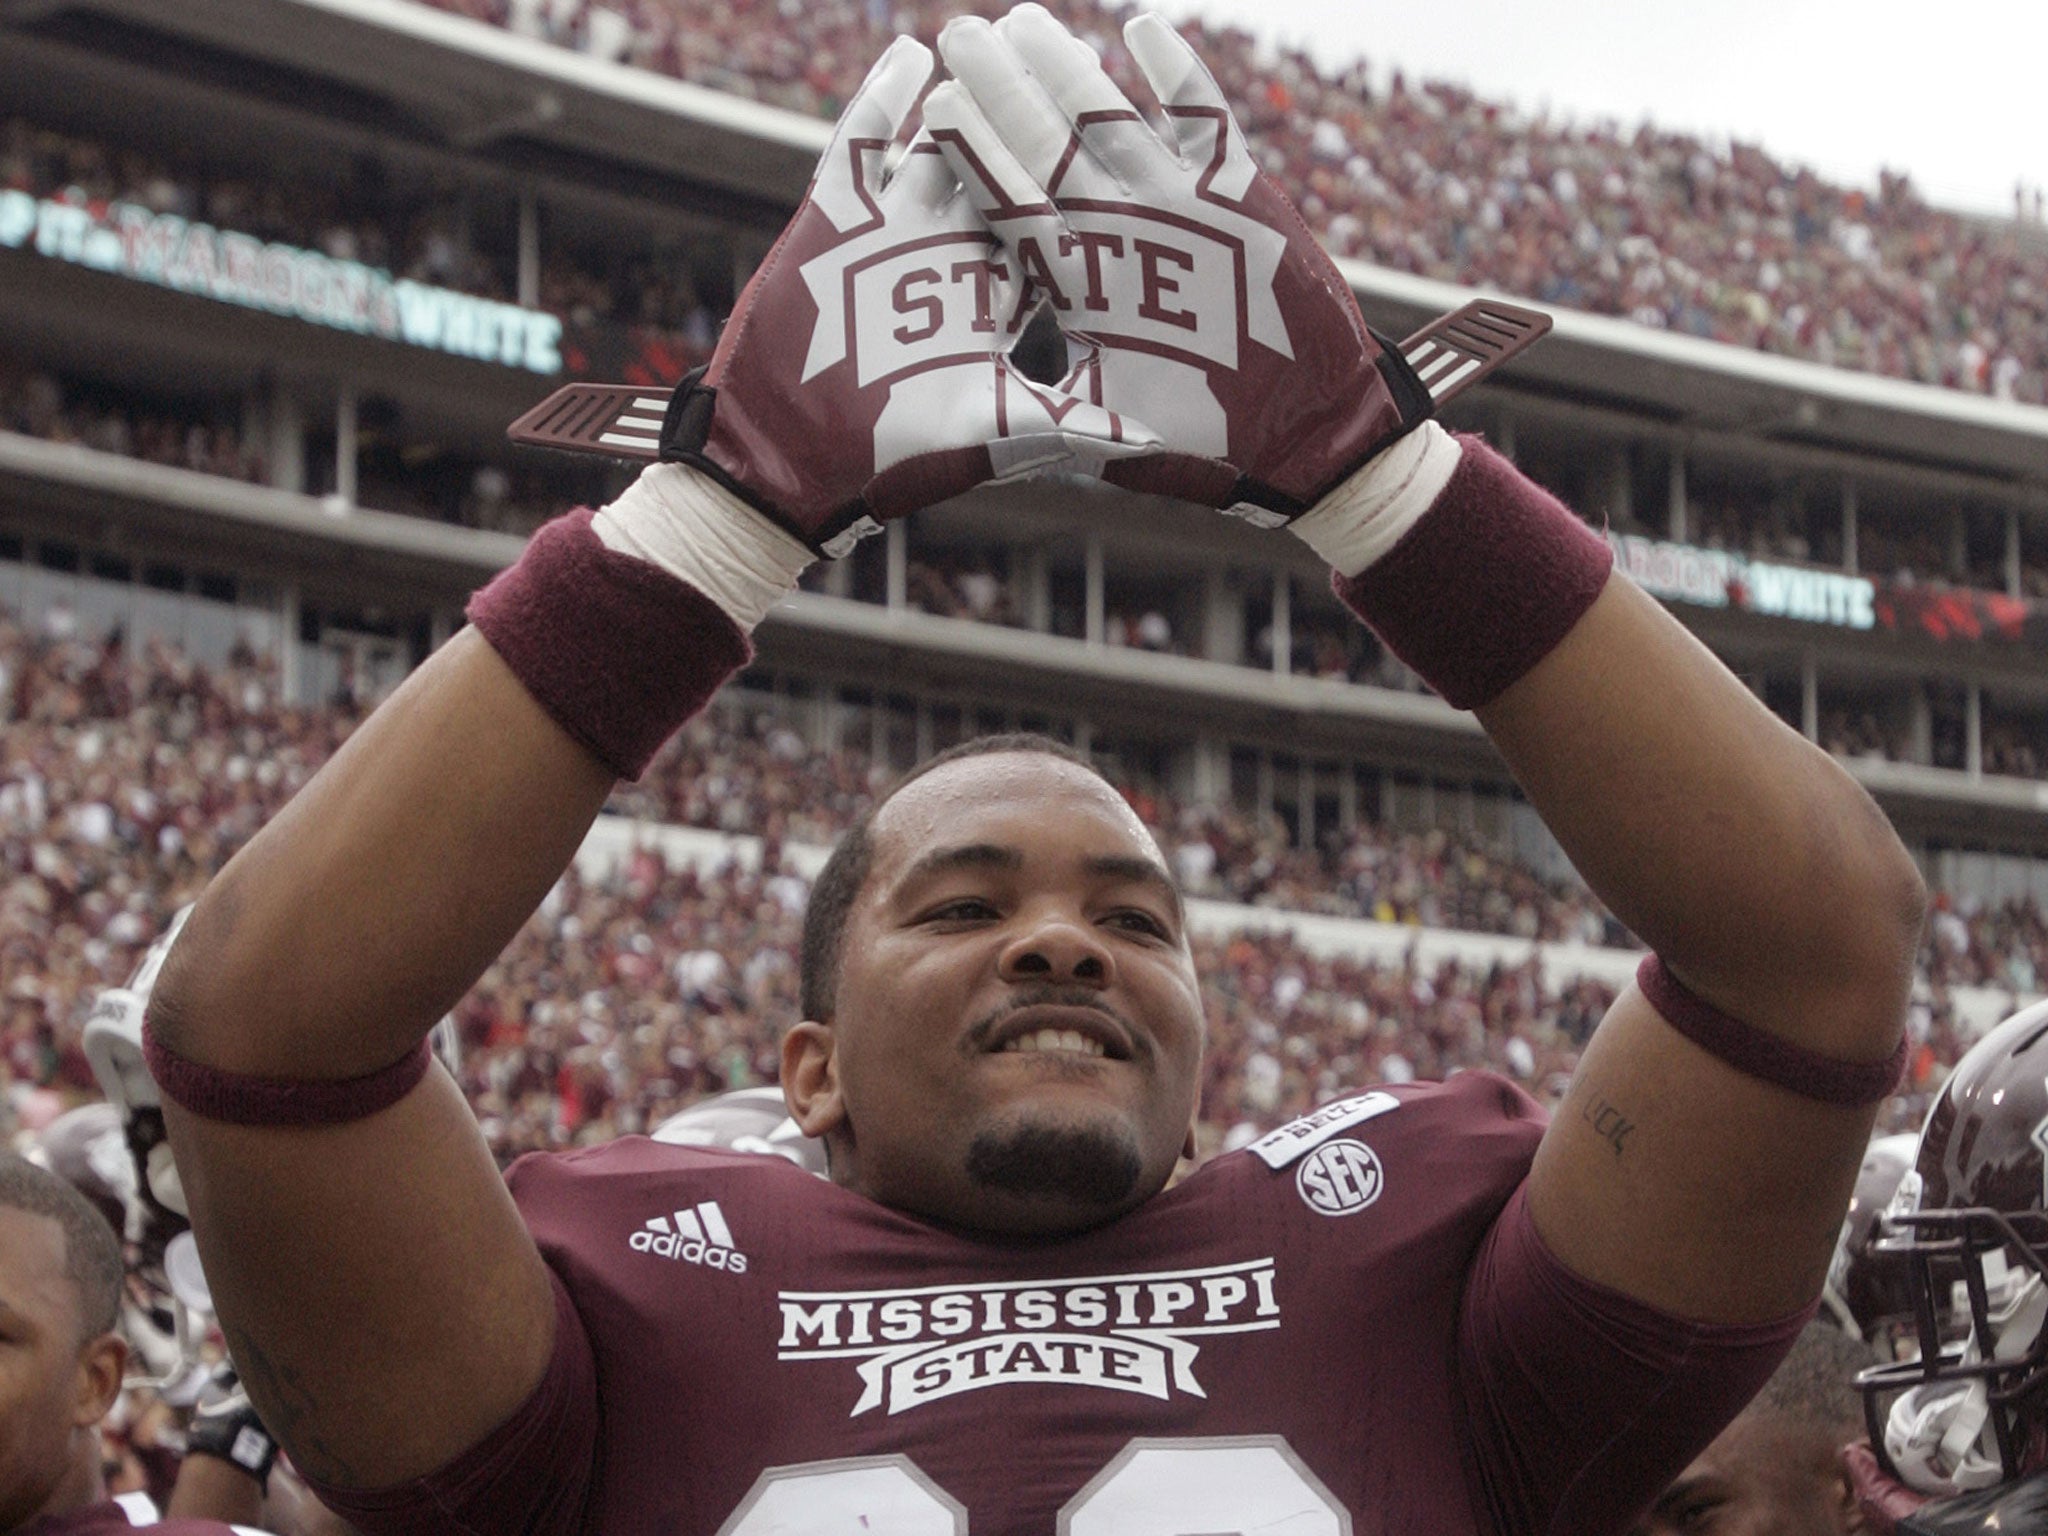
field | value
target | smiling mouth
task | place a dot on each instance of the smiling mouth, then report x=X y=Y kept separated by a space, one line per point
x=1046 y=1041
x=1055 y=1026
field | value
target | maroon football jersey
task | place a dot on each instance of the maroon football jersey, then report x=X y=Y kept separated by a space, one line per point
x=1336 y=1329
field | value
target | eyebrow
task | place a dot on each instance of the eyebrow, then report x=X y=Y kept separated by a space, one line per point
x=1105 y=866
x=962 y=856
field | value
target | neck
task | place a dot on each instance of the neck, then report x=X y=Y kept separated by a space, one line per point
x=81 y=1486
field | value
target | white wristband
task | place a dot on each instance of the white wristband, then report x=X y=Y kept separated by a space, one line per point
x=692 y=527
x=1365 y=516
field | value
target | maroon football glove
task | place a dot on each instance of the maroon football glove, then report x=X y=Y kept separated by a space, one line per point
x=863 y=373
x=1198 y=300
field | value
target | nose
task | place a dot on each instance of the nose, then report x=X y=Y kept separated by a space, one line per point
x=1057 y=948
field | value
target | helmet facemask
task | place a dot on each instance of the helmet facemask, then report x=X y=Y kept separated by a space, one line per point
x=1969 y=1414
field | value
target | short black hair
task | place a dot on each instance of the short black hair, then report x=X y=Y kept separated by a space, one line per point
x=1815 y=1384
x=846 y=871
x=92 y=1252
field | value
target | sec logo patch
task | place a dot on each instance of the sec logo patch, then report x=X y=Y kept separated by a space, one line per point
x=1340 y=1177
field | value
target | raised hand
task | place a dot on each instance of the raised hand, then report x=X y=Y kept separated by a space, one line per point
x=864 y=371
x=1196 y=297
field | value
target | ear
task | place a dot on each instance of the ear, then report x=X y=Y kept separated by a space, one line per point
x=102 y=1362
x=810 y=1078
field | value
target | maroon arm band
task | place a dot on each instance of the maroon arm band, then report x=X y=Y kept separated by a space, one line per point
x=241 y=1098
x=1758 y=1053
x=617 y=651
x=1485 y=584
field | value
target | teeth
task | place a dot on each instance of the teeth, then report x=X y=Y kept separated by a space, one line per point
x=1056 y=1040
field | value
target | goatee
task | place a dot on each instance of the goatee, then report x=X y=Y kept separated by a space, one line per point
x=1085 y=1166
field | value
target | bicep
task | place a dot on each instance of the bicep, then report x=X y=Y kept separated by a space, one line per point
x=382 y=1299
x=1674 y=1179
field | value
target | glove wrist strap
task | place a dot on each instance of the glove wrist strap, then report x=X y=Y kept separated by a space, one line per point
x=1366 y=516
x=1480 y=587
x=687 y=524
x=238 y=1439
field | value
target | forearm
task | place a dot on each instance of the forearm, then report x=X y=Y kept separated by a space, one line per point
x=328 y=946
x=1761 y=873
x=1768 y=882
x=332 y=942
x=209 y=1488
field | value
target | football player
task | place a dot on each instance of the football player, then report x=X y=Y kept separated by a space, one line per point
x=1778 y=1469
x=61 y=1360
x=1416 y=1309
x=1964 y=1426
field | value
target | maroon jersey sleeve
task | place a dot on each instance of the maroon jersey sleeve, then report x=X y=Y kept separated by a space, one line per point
x=1584 y=1402
x=530 y=1475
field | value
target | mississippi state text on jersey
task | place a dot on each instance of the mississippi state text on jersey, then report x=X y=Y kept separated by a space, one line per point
x=1334 y=1330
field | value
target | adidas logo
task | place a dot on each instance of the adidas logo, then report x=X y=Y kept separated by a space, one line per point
x=698 y=1236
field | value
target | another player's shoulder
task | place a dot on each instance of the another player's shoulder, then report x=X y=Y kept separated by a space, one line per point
x=131 y=1512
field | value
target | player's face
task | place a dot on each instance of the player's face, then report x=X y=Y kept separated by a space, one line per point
x=48 y=1401
x=1762 y=1477
x=1018 y=1029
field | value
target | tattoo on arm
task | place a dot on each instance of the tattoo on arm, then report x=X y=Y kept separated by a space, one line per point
x=1603 y=1115
x=287 y=1409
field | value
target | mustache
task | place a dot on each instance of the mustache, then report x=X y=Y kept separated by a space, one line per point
x=983 y=1029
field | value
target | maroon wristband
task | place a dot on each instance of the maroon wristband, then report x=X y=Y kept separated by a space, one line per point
x=1485 y=584
x=241 y=1098
x=1758 y=1053
x=616 y=650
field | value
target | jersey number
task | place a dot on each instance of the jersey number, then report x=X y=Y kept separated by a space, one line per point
x=1190 y=1487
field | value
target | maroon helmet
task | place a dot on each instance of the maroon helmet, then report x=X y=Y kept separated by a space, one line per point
x=1970 y=1222
x=1868 y=1289
x=88 y=1150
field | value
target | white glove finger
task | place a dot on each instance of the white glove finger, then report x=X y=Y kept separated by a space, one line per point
x=1203 y=126
x=924 y=179
x=1014 y=105
x=1113 y=131
x=851 y=171
x=997 y=182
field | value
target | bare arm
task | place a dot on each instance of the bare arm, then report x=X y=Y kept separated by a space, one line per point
x=211 y=1489
x=384 y=1302
x=1775 y=890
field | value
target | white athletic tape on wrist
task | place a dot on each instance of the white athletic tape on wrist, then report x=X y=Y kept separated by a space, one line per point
x=689 y=525
x=1365 y=516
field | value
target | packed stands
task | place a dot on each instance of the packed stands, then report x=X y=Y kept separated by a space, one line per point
x=1716 y=240
x=127 y=777
x=37 y=404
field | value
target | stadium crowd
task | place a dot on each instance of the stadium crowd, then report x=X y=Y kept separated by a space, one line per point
x=37 y=404
x=1716 y=240
x=129 y=775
